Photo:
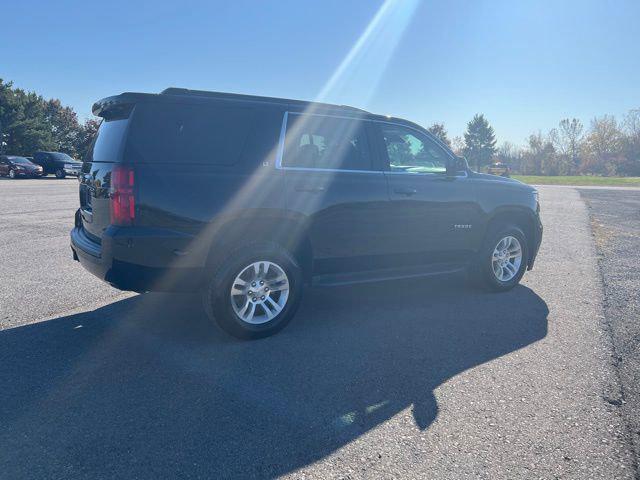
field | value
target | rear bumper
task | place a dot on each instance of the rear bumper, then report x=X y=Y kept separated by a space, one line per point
x=72 y=172
x=119 y=260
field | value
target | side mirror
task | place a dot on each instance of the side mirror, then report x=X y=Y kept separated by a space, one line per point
x=456 y=165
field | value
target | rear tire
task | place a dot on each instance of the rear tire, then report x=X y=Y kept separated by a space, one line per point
x=60 y=173
x=12 y=174
x=502 y=260
x=239 y=298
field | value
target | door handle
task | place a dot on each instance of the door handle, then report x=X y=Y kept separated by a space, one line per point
x=309 y=189
x=408 y=191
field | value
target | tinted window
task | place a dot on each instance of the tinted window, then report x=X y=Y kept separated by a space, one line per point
x=63 y=157
x=410 y=151
x=181 y=133
x=314 y=141
x=106 y=146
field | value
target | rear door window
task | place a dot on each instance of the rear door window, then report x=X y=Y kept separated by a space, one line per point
x=325 y=142
x=183 y=133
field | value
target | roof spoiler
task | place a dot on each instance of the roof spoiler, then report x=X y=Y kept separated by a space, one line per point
x=117 y=106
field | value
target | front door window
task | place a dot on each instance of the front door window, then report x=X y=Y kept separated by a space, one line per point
x=412 y=152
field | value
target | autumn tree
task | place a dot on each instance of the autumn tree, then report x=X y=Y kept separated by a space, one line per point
x=602 y=146
x=567 y=142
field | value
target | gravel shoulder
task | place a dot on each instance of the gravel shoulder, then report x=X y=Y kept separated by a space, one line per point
x=615 y=218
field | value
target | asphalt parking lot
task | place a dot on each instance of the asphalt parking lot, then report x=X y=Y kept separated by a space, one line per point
x=416 y=379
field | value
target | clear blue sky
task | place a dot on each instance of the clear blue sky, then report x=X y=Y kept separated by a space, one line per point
x=524 y=64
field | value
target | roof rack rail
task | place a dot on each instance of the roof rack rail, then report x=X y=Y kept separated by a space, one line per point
x=211 y=94
x=355 y=109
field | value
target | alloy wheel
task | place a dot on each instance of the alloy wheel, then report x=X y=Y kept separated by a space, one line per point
x=259 y=292
x=506 y=258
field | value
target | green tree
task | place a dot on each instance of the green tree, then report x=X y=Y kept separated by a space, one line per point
x=29 y=123
x=64 y=126
x=438 y=131
x=28 y=130
x=8 y=113
x=85 y=137
x=479 y=142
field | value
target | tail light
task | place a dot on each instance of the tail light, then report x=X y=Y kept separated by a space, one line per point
x=123 y=205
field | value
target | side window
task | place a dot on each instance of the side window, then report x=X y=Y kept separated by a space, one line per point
x=184 y=133
x=410 y=151
x=315 y=141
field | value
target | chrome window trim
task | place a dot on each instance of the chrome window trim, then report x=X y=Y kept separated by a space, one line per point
x=283 y=131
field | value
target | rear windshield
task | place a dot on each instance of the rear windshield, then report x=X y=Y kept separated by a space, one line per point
x=108 y=141
x=184 y=133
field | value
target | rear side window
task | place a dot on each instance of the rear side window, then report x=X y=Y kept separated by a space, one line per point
x=182 y=133
x=316 y=141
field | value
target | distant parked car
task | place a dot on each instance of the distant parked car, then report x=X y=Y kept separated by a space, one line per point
x=57 y=163
x=14 y=167
x=500 y=169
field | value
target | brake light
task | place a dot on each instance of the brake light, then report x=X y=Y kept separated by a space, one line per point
x=123 y=205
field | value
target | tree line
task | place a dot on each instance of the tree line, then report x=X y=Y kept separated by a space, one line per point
x=29 y=122
x=607 y=147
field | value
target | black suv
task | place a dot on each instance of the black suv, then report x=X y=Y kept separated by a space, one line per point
x=57 y=163
x=246 y=199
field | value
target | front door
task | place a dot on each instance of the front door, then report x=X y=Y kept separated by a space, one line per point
x=333 y=188
x=433 y=215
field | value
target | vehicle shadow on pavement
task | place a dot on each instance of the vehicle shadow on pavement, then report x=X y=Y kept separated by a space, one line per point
x=145 y=388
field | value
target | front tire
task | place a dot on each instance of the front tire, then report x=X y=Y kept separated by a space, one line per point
x=503 y=259
x=60 y=173
x=255 y=292
x=12 y=174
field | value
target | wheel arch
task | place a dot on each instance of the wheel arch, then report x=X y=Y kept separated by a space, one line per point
x=290 y=232
x=521 y=217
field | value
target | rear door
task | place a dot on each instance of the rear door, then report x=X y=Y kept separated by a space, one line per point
x=432 y=215
x=4 y=166
x=331 y=185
